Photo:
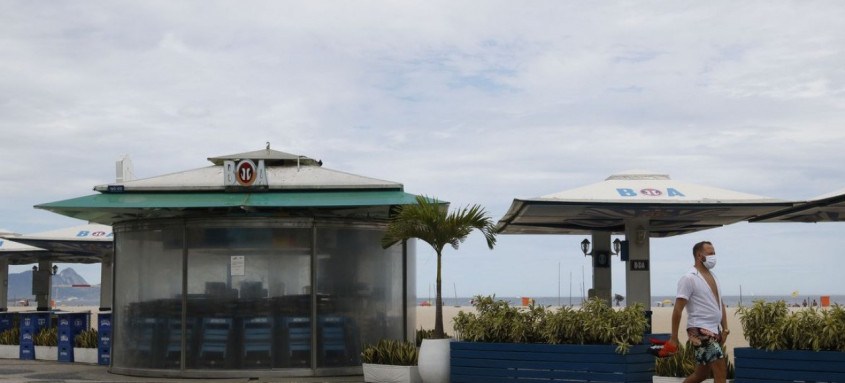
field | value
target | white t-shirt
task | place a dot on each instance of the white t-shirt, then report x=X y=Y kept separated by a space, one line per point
x=702 y=308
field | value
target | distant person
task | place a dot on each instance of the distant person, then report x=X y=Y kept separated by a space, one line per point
x=814 y=303
x=805 y=302
x=707 y=323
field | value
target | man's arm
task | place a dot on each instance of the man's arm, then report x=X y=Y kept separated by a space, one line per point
x=680 y=303
x=725 y=331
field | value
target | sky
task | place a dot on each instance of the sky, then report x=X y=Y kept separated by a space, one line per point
x=473 y=102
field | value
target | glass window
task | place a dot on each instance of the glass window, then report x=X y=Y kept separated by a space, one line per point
x=359 y=289
x=249 y=297
x=148 y=275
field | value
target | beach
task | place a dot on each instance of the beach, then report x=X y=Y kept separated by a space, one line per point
x=661 y=322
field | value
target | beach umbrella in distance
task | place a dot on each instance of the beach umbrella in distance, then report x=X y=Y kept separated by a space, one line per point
x=828 y=207
x=89 y=243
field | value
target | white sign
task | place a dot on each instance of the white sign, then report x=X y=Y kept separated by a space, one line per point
x=237 y=265
x=244 y=173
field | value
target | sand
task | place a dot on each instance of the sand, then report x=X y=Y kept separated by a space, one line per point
x=661 y=322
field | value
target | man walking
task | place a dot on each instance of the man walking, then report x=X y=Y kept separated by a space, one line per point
x=707 y=325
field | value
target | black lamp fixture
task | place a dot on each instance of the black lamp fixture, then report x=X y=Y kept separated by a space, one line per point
x=55 y=269
x=585 y=247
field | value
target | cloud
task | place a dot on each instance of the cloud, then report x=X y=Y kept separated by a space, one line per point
x=477 y=102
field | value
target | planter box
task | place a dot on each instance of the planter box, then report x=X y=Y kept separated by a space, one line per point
x=85 y=355
x=753 y=365
x=46 y=353
x=385 y=373
x=501 y=362
x=10 y=351
x=666 y=379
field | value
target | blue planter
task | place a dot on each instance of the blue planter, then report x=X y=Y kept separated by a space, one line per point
x=754 y=365
x=508 y=362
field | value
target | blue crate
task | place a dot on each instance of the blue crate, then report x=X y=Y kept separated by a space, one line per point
x=104 y=325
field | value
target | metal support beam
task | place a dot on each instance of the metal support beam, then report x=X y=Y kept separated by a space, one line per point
x=106 y=284
x=638 y=267
x=602 y=281
x=42 y=285
x=4 y=284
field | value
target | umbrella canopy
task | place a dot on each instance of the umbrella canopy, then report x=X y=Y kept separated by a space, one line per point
x=18 y=253
x=824 y=208
x=671 y=207
x=78 y=244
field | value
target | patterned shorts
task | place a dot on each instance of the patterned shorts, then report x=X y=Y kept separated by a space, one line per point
x=705 y=345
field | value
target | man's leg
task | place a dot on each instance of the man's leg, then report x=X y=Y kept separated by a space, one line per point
x=720 y=370
x=701 y=372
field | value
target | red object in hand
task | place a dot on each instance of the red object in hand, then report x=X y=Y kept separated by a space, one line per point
x=661 y=348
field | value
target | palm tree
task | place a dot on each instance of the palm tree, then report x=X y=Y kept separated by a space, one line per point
x=431 y=222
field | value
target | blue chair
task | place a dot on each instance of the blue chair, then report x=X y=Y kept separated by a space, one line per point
x=296 y=332
x=214 y=347
x=257 y=341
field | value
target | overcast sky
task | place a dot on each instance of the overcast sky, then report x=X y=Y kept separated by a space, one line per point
x=471 y=102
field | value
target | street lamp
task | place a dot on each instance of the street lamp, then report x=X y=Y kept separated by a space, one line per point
x=55 y=269
x=617 y=246
x=585 y=247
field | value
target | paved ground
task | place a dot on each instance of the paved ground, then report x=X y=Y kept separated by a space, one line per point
x=15 y=370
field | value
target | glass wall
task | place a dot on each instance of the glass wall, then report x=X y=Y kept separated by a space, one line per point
x=244 y=298
x=148 y=280
x=249 y=298
x=359 y=285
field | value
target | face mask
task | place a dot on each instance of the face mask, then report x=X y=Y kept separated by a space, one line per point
x=710 y=261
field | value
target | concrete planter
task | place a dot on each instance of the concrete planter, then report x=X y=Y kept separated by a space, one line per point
x=46 y=353
x=85 y=355
x=10 y=351
x=434 y=360
x=385 y=373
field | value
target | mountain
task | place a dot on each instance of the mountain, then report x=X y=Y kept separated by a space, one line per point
x=20 y=287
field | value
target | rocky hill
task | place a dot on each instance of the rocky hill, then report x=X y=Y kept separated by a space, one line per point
x=64 y=292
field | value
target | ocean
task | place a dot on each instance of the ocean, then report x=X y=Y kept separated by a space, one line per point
x=730 y=300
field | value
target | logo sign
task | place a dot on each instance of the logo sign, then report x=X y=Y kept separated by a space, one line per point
x=98 y=234
x=649 y=192
x=244 y=173
x=638 y=264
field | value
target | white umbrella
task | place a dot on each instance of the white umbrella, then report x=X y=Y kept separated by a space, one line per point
x=78 y=244
x=671 y=207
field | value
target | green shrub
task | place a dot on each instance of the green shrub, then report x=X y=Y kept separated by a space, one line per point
x=682 y=363
x=11 y=337
x=388 y=351
x=771 y=326
x=594 y=323
x=86 y=339
x=47 y=337
x=426 y=334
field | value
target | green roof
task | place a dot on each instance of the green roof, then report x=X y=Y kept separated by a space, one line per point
x=106 y=208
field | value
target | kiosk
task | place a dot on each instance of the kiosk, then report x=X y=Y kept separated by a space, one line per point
x=264 y=264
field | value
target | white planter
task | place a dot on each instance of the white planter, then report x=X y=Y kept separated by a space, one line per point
x=386 y=373
x=46 y=353
x=10 y=351
x=85 y=355
x=434 y=360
